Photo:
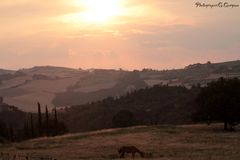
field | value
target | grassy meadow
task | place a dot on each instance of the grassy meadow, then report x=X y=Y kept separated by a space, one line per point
x=189 y=142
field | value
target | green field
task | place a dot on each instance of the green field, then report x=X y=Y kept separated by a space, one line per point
x=190 y=142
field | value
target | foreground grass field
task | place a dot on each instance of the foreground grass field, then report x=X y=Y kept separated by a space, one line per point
x=190 y=142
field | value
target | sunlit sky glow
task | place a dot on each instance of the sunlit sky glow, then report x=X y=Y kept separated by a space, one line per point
x=129 y=34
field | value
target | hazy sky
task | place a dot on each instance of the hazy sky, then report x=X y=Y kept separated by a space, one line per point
x=129 y=34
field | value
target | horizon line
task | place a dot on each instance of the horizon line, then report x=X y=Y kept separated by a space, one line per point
x=117 y=68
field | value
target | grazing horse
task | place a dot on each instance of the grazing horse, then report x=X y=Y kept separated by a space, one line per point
x=130 y=149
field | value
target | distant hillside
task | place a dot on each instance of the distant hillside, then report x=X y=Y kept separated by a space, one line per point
x=60 y=72
x=59 y=86
x=156 y=105
x=192 y=74
x=4 y=71
x=127 y=82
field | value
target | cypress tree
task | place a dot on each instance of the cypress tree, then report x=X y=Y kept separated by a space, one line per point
x=47 y=121
x=32 y=126
x=11 y=133
x=26 y=130
x=39 y=120
x=55 y=121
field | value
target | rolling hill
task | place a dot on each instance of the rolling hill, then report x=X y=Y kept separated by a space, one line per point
x=61 y=87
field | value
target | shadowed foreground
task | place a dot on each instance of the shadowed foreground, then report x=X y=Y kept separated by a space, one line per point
x=198 y=142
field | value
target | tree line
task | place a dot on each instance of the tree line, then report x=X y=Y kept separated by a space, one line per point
x=160 y=104
x=35 y=125
x=217 y=101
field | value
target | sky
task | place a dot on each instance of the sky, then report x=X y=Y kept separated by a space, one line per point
x=128 y=34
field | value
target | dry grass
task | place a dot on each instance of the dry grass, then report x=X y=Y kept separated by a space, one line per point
x=198 y=142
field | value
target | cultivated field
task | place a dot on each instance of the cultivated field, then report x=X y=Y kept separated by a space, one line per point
x=190 y=142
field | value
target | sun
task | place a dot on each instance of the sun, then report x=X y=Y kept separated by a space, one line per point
x=100 y=11
x=95 y=12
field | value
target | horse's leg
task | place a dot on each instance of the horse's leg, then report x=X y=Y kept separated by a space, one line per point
x=122 y=155
x=133 y=155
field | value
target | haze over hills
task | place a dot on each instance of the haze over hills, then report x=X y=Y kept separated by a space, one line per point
x=59 y=86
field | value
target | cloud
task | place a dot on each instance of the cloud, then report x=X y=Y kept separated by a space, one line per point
x=149 y=34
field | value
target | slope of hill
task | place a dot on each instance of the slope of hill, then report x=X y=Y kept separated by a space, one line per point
x=126 y=82
x=196 y=142
x=59 y=86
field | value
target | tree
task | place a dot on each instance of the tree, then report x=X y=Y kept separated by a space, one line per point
x=55 y=122
x=55 y=117
x=26 y=130
x=11 y=133
x=39 y=120
x=124 y=118
x=3 y=130
x=31 y=125
x=220 y=101
x=47 y=121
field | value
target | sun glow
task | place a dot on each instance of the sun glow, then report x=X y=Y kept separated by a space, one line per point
x=100 y=11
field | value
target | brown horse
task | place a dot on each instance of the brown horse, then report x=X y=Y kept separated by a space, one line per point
x=130 y=149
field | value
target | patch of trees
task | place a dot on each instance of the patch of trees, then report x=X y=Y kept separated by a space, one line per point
x=34 y=125
x=149 y=106
x=124 y=118
x=5 y=132
x=11 y=120
x=41 y=77
x=44 y=124
x=219 y=101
